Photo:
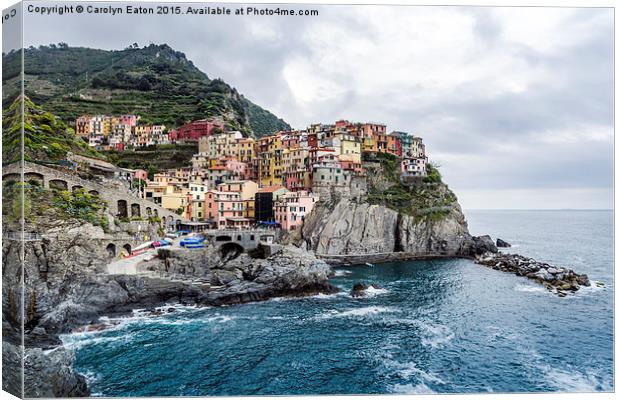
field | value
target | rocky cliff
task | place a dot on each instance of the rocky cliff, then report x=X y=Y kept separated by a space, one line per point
x=348 y=229
x=392 y=221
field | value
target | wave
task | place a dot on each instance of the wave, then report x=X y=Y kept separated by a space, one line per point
x=79 y=340
x=575 y=381
x=372 y=291
x=357 y=312
x=522 y=287
x=566 y=378
x=435 y=335
x=342 y=272
x=409 y=388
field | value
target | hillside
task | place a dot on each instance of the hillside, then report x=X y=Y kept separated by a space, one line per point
x=155 y=81
x=46 y=137
x=154 y=158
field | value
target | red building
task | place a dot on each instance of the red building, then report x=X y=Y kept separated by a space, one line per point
x=196 y=129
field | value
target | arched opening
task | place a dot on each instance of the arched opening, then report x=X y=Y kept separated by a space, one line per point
x=58 y=184
x=11 y=178
x=148 y=212
x=155 y=213
x=76 y=188
x=126 y=249
x=230 y=251
x=135 y=210
x=111 y=249
x=33 y=178
x=122 y=208
x=94 y=192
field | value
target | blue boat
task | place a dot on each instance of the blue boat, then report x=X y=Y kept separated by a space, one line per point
x=195 y=245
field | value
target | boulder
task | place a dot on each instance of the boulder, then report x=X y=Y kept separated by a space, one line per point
x=359 y=289
x=483 y=244
x=502 y=243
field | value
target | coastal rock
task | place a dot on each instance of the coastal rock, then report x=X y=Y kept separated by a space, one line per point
x=502 y=243
x=553 y=277
x=483 y=244
x=360 y=289
x=46 y=374
x=349 y=230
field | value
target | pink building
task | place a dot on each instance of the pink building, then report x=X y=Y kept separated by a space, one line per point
x=141 y=174
x=196 y=129
x=291 y=210
x=225 y=210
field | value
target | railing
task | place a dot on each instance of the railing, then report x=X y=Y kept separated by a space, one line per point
x=26 y=236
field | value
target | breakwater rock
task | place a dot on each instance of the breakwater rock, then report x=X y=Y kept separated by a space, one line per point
x=557 y=279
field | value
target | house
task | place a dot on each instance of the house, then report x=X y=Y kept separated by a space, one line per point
x=291 y=209
x=264 y=200
x=193 y=131
x=225 y=210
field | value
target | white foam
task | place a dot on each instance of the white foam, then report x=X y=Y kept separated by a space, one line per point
x=357 y=312
x=435 y=335
x=410 y=388
x=83 y=339
x=575 y=381
x=342 y=272
x=410 y=369
x=522 y=287
x=372 y=291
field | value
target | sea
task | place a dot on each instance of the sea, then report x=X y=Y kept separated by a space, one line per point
x=440 y=326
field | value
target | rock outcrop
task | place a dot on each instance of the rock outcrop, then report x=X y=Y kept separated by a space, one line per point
x=361 y=289
x=557 y=279
x=502 y=243
x=349 y=229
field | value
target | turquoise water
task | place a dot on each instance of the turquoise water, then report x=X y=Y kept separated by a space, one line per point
x=439 y=326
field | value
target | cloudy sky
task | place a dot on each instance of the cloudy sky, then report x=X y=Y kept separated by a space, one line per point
x=515 y=104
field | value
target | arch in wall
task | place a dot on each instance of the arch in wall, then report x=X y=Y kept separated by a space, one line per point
x=122 y=208
x=111 y=249
x=127 y=248
x=94 y=192
x=135 y=210
x=76 y=188
x=148 y=212
x=34 y=178
x=58 y=184
x=230 y=250
x=11 y=178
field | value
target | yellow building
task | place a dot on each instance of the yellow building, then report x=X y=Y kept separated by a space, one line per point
x=348 y=147
x=246 y=189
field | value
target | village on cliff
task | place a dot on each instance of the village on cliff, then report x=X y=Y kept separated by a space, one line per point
x=237 y=182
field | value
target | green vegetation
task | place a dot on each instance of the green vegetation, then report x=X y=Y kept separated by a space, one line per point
x=428 y=199
x=82 y=206
x=432 y=173
x=154 y=158
x=65 y=205
x=155 y=82
x=46 y=138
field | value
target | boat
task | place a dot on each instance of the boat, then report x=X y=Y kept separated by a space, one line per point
x=192 y=240
x=195 y=245
x=369 y=264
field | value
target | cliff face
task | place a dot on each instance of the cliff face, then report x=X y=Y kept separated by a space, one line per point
x=355 y=229
x=348 y=228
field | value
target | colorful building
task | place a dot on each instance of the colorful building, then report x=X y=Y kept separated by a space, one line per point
x=291 y=209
